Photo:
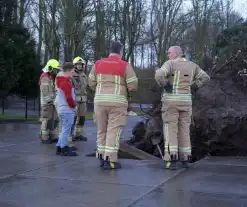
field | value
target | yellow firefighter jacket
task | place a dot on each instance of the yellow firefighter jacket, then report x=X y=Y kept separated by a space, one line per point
x=80 y=83
x=178 y=75
x=113 y=79
x=47 y=89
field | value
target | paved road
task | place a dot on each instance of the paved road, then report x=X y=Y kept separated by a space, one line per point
x=31 y=175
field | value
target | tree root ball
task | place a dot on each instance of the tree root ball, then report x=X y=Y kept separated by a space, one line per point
x=218 y=128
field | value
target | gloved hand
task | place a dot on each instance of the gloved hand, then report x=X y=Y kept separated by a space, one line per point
x=168 y=88
x=50 y=103
x=194 y=87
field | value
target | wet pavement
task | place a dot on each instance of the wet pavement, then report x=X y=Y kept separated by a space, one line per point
x=212 y=182
x=31 y=175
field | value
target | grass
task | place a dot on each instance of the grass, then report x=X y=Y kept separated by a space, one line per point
x=18 y=117
x=139 y=113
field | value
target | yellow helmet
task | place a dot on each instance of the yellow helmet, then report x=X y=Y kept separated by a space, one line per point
x=52 y=64
x=78 y=60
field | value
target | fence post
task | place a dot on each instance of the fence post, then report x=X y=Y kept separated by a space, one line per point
x=34 y=104
x=26 y=108
x=3 y=106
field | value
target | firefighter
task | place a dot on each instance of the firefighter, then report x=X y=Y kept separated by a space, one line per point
x=80 y=83
x=114 y=80
x=177 y=76
x=49 y=118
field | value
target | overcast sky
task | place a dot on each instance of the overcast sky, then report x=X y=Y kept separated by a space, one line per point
x=241 y=7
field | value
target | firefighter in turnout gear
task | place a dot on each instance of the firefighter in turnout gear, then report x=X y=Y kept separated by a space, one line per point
x=80 y=83
x=178 y=76
x=49 y=118
x=113 y=80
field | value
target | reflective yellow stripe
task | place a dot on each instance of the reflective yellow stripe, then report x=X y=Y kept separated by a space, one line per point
x=99 y=78
x=91 y=76
x=173 y=148
x=164 y=69
x=168 y=164
x=112 y=164
x=110 y=98
x=185 y=149
x=130 y=80
x=110 y=149
x=176 y=82
x=44 y=132
x=118 y=135
x=101 y=147
x=166 y=138
x=200 y=74
x=192 y=77
x=177 y=97
x=117 y=85
x=46 y=99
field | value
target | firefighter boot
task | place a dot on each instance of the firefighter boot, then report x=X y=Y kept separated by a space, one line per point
x=78 y=128
x=185 y=164
x=54 y=135
x=67 y=151
x=108 y=165
x=80 y=138
x=54 y=140
x=48 y=141
x=171 y=164
x=100 y=157
x=71 y=144
x=58 y=150
x=74 y=148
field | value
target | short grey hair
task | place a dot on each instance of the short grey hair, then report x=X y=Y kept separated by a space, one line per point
x=178 y=49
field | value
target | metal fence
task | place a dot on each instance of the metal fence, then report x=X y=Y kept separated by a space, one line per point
x=14 y=106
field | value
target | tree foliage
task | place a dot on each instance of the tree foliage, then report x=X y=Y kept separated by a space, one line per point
x=147 y=28
x=18 y=61
x=231 y=40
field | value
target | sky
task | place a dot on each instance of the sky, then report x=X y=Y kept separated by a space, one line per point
x=241 y=7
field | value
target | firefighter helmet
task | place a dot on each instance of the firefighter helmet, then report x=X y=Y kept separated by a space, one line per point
x=78 y=60
x=52 y=64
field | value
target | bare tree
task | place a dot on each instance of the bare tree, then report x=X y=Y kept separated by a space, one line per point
x=164 y=14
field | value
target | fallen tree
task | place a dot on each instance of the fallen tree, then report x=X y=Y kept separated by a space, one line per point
x=219 y=117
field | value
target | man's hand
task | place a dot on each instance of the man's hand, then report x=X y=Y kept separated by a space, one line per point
x=129 y=107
